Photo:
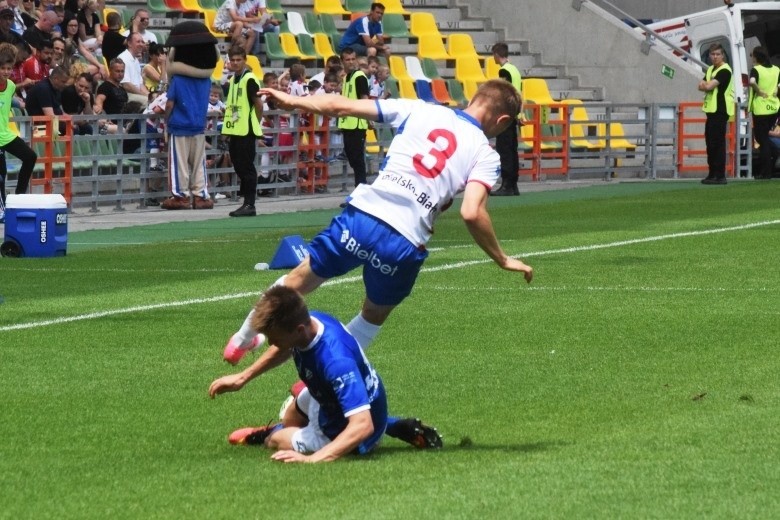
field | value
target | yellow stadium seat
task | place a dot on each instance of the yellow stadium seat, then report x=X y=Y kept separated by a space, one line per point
x=580 y=124
x=323 y=46
x=394 y=6
x=423 y=23
x=398 y=69
x=290 y=47
x=536 y=90
x=467 y=68
x=470 y=88
x=191 y=5
x=254 y=65
x=617 y=137
x=208 y=19
x=431 y=46
x=461 y=45
x=406 y=89
x=372 y=146
x=491 y=68
x=329 y=7
x=217 y=74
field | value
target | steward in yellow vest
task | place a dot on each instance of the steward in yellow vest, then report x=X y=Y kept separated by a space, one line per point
x=506 y=141
x=718 y=88
x=764 y=105
x=353 y=129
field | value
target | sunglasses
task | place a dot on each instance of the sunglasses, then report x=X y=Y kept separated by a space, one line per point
x=143 y=19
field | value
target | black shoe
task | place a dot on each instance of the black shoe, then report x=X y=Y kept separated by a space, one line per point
x=414 y=432
x=505 y=192
x=151 y=202
x=244 y=211
x=714 y=180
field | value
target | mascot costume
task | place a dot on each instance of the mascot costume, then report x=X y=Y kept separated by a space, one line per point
x=192 y=58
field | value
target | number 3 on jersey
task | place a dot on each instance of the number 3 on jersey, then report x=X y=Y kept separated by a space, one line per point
x=441 y=156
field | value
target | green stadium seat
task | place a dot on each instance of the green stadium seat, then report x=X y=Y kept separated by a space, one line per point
x=313 y=24
x=456 y=92
x=394 y=26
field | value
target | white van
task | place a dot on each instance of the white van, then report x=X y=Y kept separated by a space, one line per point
x=739 y=28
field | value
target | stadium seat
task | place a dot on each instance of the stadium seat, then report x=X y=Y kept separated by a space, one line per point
x=491 y=68
x=391 y=85
x=313 y=24
x=290 y=47
x=414 y=67
x=329 y=27
x=295 y=23
x=217 y=74
x=617 y=137
x=406 y=89
x=470 y=87
x=394 y=7
x=254 y=65
x=191 y=5
x=323 y=46
x=306 y=45
x=355 y=15
x=467 y=68
x=157 y=6
x=358 y=5
x=424 y=91
x=274 y=6
x=456 y=92
x=394 y=25
x=459 y=44
x=208 y=20
x=429 y=68
x=398 y=70
x=536 y=90
x=431 y=46
x=175 y=5
x=372 y=146
x=423 y=23
x=439 y=89
x=580 y=126
x=273 y=47
x=330 y=7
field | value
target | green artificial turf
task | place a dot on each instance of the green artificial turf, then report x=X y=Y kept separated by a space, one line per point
x=636 y=377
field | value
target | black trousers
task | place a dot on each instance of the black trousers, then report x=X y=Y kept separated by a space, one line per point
x=242 y=154
x=506 y=146
x=24 y=153
x=715 y=138
x=355 y=150
x=761 y=127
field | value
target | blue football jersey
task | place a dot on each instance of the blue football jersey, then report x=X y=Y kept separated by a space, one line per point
x=341 y=379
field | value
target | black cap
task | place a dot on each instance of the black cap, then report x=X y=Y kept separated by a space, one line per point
x=189 y=33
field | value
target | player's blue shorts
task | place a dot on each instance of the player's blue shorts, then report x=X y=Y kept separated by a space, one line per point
x=390 y=262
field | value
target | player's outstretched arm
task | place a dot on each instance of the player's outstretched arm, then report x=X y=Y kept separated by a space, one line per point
x=271 y=358
x=475 y=214
x=333 y=106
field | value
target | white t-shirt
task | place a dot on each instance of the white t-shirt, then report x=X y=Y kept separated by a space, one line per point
x=132 y=69
x=148 y=36
x=430 y=160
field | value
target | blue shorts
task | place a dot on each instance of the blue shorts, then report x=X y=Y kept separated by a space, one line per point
x=390 y=262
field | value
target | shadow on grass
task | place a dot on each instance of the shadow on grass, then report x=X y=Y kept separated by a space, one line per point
x=466 y=444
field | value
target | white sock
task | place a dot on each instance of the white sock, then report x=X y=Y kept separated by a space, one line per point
x=363 y=331
x=246 y=332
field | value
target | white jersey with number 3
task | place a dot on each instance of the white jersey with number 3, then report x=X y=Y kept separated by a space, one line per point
x=435 y=152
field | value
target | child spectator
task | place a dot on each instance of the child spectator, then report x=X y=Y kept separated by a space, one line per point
x=377 y=85
x=298 y=86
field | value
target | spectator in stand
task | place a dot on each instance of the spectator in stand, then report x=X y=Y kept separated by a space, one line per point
x=90 y=34
x=330 y=62
x=78 y=100
x=22 y=20
x=154 y=73
x=79 y=50
x=298 y=86
x=7 y=35
x=37 y=67
x=364 y=35
x=111 y=97
x=60 y=12
x=41 y=31
x=44 y=98
x=266 y=22
x=10 y=143
x=133 y=81
x=139 y=23
x=27 y=11
x=378 y=90
x=231 y=19
x=43 y=7
x=21 y=81
x=113 y=41
x=72 y=7
x=58 y=51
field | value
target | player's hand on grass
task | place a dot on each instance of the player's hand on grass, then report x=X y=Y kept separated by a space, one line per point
x=289 y=456
x=229 y=383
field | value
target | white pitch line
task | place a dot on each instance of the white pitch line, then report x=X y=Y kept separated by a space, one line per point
x=339 y=281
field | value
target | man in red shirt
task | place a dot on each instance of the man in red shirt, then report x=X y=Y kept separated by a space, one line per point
x=37 y=67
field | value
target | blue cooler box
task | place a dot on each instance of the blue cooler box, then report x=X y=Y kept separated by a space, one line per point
x=35 y=226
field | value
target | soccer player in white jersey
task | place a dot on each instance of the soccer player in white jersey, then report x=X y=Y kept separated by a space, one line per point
x=435 y=154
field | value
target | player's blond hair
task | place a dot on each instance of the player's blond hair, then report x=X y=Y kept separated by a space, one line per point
x=500 y=96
